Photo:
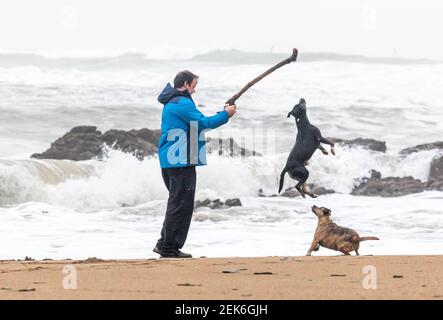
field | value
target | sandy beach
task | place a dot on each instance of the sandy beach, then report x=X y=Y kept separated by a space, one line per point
x=338 y=277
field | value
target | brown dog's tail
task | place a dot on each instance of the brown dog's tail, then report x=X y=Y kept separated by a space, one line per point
x=368 y=238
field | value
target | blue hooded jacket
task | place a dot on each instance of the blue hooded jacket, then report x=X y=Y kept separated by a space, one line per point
x=182 y=141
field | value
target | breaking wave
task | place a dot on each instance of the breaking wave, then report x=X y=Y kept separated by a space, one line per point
x=122 y=180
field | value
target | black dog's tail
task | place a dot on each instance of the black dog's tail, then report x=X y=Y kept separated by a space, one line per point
x=282 y=179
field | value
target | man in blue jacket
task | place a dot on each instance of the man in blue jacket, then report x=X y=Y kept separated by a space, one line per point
x=181 y=148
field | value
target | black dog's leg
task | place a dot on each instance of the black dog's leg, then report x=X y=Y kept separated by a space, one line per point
x=301 y=174
x=327 y=141
x=323 y=150
x=298 y=186
x=308 y=192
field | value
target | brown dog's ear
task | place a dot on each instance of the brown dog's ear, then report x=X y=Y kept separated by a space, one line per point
x=327 y=212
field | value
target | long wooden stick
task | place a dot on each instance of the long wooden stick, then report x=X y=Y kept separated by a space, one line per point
x=292 y=58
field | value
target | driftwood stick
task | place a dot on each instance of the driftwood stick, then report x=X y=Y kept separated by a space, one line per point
x=292 y=58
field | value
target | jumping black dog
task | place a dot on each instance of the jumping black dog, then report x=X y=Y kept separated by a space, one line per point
x=308 y=140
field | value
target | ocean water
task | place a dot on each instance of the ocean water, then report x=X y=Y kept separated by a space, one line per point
x=114 y=208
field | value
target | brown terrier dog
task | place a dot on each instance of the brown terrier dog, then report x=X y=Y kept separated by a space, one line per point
x=332 y=236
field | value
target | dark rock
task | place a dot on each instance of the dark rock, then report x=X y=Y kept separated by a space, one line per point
x=318 y=190
x=233 y=202
x=422 y=147
x=435 y=178
x=370 y=144
x=263 y=195
x=388 y=187
x=151 y=136
x=201 y=203
x=84 y=129
x=228 y=147
x=375 y=174
x=290 y=193
x=218 y=204
x=81 y=143
x=128 y=142
x=86 y=142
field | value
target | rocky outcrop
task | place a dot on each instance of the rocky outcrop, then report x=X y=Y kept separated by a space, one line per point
x=218 y=204
x=422 y=147
x=152 y=136
x=435 y=178
x=369 y=144
x=81 y=143
x=86 y=142
x=129 y=142
x=228 y=147
x=387 y=187
x=318 y=190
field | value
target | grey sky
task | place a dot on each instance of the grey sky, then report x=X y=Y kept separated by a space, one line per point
x=410 y=28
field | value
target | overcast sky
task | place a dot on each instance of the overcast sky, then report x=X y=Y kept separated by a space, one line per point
x=403 y=28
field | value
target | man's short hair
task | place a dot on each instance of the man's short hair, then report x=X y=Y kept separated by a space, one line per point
x=182 y=77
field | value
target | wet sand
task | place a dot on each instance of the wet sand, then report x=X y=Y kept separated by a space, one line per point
x=340 y=277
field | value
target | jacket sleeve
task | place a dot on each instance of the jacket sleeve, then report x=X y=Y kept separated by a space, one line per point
x=188 y=112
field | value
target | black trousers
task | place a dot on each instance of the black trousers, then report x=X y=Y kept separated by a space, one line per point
x=180 y=183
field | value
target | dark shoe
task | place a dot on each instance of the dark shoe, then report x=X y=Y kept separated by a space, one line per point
x=156 y=250
x=179 y=255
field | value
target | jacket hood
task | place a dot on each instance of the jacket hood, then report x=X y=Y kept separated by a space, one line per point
x=170 y=92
